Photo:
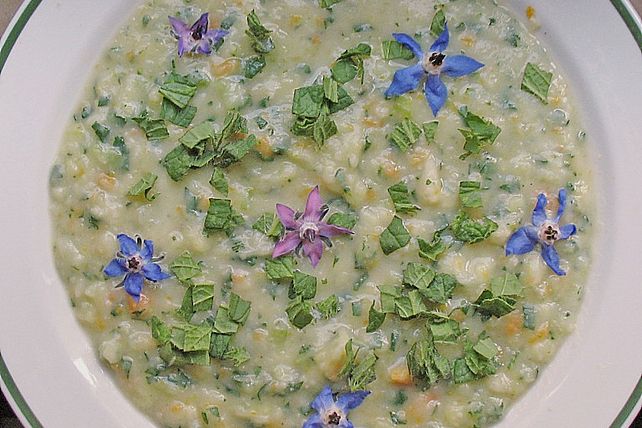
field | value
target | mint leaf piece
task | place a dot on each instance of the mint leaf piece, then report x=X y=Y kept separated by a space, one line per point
x=197 y=337
x=528 y=311
x=430 y=128
x=480 y=133
x=218 y=181
x=308 y=101
x=327 y=4
x=201 y=132
x=223 y=323
x=154 y=129
x=178 y=116
x=202 y=297
x=238 y=356
x=178 y=162
x=392 y=49
x=185 y=268
x=344 y=71
x=394 y=237
x=281 y=268
x=178 y=89
x=470 y=230
x=160 y=332
x=388 y=295
x=425 y=363
x=299 y=313
x=410 y=306
x=143 y=188
x=219 y=345
x=238 y=309
x=470 y=194
x=328 y=307
x=433 y=249
x=438 y=23
x=347 y=220
x=375 y=319
x=405 y=134
x=447 y=331
x=363 y=373
x=323 y=128
x=253 y=66
x=269 y=225
x=303 y=286
x=537 y=81
x=506 y=285
x=401 y=198
x=441 y=288
x=221 y=217
x=330 y=89
x=418 y=275
x=259 y=35
x=102 y=132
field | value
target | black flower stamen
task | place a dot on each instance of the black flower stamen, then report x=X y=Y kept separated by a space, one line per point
x=334 y=418
x=437 y=59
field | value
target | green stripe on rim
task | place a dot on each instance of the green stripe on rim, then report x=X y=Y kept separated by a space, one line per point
x=5 y=376
x=16 y=30
x=17 y=397
x=630 y=405
x=629 y=19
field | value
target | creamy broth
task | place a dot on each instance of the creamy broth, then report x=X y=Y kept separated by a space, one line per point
x=274 y=369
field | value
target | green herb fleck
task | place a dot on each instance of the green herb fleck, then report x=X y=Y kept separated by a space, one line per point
x=143 y=188
x=401 y=198
x=470 y=194
x=405 y=134
x=537 y=81
x=259 y=35
x=438 y=23
x=394 y=237
x=470 y=230
x=392 y=49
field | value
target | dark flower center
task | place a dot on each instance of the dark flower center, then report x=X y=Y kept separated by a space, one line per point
x=549 y=233
x=437 y=59
x=135 y=263
x=308 y=231
x=334 y=418
x=198 y=32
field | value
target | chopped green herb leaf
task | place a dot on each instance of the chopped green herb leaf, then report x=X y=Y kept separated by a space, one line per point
x=143 y=188
x=418 y=275
x=394 y=237
x=303 y=286
x=401 y=198
x=470 y=194
x=425 y=363
x=299 y=313
x=218 y=181
x=238 y=309
x=328 y=307
x=528 y=311
x=178 y=116
x=347 y=220
x=202 y=297
x=269 y=225
x=178 y=89
x=259 y=35
x=405 y=134
x=430 y=128
x=480 y=133
x=470 y=230
x=433 y=249
x=160 y=332
x=410 y=305
x=281 y=268
x=253 y=66
x=392 y=49
x=238 y=356
x=537 y=81
x=101 y=131
x=221 y=217
x=185 y=268
x=375 y=319
x=438 y=23
x=441 y=288
x=223 y=323
x=154 y=129
x=389 y=294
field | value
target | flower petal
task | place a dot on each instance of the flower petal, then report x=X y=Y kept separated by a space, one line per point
x=154 y=273
x=314 y=421
x=323 y=401
x=567 y=231
x=128 y=246
x=345 y=423
x=405 y=80
x=148 y=250
x=410 y=43
x=216 y=35
x=561 y=197
x=331 y=230
x=313 y=206
x=351 y=400
x=199 y=28
x=180 y=28
x=552 y=259
x=314 y=251
x=522 y=241
x=286 y=215
x=436 y=93
x=286 y=245
x=539 y=213
x=460 y=65
x=441 y=43
x=204 y=46
x=115 y=268
x=134 y=285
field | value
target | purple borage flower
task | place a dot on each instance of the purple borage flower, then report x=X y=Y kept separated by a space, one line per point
x=306 y=231
x=545 y=231
x=431 y=64
x=135 y=260
x=331 y=413
x=197 y=38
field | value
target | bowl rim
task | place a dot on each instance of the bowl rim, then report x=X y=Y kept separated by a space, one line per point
x=8 y=41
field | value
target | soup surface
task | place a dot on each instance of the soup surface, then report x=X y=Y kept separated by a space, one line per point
x=416 y=300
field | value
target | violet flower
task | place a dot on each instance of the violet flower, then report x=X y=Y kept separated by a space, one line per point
x=306 y=231
x=431 y=64
x=331 y=413
x=197 y=38
x=135 y=260
x=545 y=231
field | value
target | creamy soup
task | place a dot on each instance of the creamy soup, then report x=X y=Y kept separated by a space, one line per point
x=322 y=222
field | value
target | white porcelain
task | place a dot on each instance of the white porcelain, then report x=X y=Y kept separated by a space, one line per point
x=50 y=358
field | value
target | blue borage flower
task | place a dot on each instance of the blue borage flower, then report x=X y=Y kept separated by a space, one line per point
x=333 y=413
x=545 y=231
x=135 y=260
x=197 y=38
x=432 y=64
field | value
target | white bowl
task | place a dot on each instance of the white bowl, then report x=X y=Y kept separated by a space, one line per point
x=50 y=372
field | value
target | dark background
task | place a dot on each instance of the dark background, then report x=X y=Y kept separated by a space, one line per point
x=7 y=418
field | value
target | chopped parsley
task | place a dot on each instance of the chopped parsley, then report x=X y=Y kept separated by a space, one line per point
x=536 y=81
x=394 y=237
